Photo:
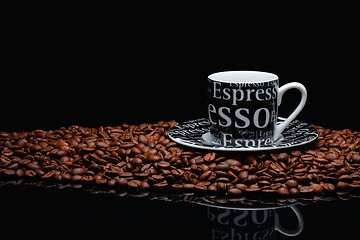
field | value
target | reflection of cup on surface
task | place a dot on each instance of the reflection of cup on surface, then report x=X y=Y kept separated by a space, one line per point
x=243 y=107
x=230 y=224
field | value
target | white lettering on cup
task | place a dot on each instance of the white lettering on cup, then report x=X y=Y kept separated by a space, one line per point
x=225 y=117
x=242 y=118
x=256 y=117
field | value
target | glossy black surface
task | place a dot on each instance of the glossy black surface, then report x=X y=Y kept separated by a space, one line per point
x=50 y=212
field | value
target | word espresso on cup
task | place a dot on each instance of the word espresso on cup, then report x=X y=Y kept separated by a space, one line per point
x=243 y=108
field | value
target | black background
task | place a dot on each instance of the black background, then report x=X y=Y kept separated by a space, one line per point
x=98 y=63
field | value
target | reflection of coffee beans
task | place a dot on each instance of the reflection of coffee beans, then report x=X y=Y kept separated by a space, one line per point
x=143 y=157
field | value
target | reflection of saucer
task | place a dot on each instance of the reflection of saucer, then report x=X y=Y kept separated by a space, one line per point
x=195 y=133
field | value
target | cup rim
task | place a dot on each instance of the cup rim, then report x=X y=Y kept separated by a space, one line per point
x=242 y=76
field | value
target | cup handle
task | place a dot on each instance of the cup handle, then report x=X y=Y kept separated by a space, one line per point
x=280 y=128
x=294 y=232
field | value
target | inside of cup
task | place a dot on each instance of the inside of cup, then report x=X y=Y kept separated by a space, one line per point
x=242 y=76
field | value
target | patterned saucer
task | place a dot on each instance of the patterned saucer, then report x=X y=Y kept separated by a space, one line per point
x=195 y=133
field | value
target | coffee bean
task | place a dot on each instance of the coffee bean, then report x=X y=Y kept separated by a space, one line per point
x=188 y=186
x=356 y=158
x=316 y=187
x=253 y=188
x=243 y=175
x=283 y=191
x=144 y=185
x=32 y=166
x=125 y=174
x=234 y=191
x=177 y=172
x=134 y=183
x=76 y=178
x=136 y=150
x=30 y=173
x=205 y=175
x=342 y=185
x=122 y=182
x=77 y=171
x=163 y=164
x=222 y=167
x=331 y=156
x=20 y=173
x=241 y=186
x=293 y=191
x=66 y=177
x=212 y=188
x=305 y=189
x=291 y=183
x=345 y=178
x=221 y=186
x=143 y=139
x=220 y=174
x=283 y=157
x=136 y=161
x=154 y=158
x=233 y=162
x=35 y=147
x=102 y=144
x=162 y=184
x=276 y=167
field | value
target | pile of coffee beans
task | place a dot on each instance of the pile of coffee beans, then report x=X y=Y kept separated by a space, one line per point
x=143 y=158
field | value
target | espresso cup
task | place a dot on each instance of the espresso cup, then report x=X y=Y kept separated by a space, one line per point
x=243 y=108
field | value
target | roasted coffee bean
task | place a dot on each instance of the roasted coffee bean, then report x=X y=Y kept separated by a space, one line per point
x=76 y=178
x=293 y=191
x=20 y=173
x=291 y=183
x=30 y=173
x=66 y=177
x=234 y=191
x=162 y=184
x=134 y=183
x=233 y=162
x=243 y=175
x=205 y=175
x=102 y=144
x=212 y=188
x=32 y=166
x=136 y=161
x=276 y=167
x=356 y=158
x=331 y=156
x=305 y=189
x=154 y=158
x=253 y=188
x=144 y=185
x=220 y=174
x=177 y=172
x=222 y=167
x=342 y=185
x=122 y=182
x=78 y=171
x=316 y=187
x=200 y=186
x=283 y=157
x=188 y=186
x=283 y=191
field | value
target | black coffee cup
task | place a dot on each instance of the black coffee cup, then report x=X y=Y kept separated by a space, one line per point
x=243 y=108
